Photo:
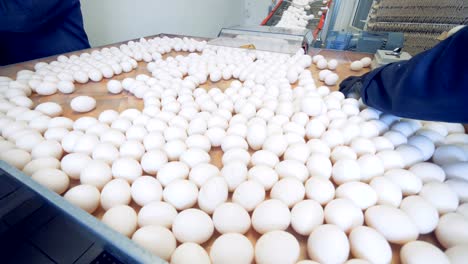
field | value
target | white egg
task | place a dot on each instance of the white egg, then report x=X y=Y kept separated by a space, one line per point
x=292 y=168
x=105 y=152
x=264 y=157
x=86 y=144
x=121 y=218
x=83 y=123
x=305 y=216
x=333 y=138
x=95 y=75
x=408 y=182
x=190 y=253
x=441 y=196
x=202 y=172
x=422 y=252
x=449 y=154
x=298 y=151
x=146 y=189
x=359 y=193
x=212 y=194
x=234 y=173
x=410 y=154
x=366 y=62
x=270 y=215
x=460 y=187
x=391 y=159
x=6 y=145
x=152 y=161
x=54 y=179
x=47 y=148
x=424 y=144
x=322 y=64
x=49 y=108
x=41 y=163
x=236 y=155
x=394 y=224
x=232 y=248
x=192 y=225
x=316 y=58
x=73 y=163
x=192 y=157
x=27 y=139
x=113 y=136
x=96 y=173
x=457 y=171
x=332 y=64
x=388 y=192
x=368 y=244
x=323 y=74
x=435 y=137
x=314 y=129
x=198 y=141
x=175 y=133
x=115 y=192
x=172 y=194
x=231 y=142
x=423 y=214
x=66 y=87
x=356 y=66
x=370 y=167
x=87 y=197
x=395 y=137
x=288 y=190
x=156 y=239
x=154 y=140
x=268 y=245
x=83 y=104
x=331 y=79
x=344 y=214
x=452 y=230
x=249 y=194
x=108 y=116
x=312 y=106
x=126 y=168
x=328 y=244
x=345 y=171
x=457 y=254
x=256 y=135
x=157 y=213
x=342 y=152
x=46 y=88
x=215 y=76
x=231 y=218
x=319 y=165
x=363 y=146
x=171 y=171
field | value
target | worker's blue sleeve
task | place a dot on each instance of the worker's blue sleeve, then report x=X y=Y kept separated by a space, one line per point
x=433 y=85
x=31 y=29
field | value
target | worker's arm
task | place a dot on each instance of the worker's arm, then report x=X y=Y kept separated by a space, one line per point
x=29 y=15
x=433 y=85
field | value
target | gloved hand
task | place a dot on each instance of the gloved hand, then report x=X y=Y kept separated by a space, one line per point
x=351 y=86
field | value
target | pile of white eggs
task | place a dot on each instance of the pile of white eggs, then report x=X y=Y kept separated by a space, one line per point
x=346 y=179
x=295 y=16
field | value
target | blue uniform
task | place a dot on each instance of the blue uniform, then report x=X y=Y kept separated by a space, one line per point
x=432 y=85
x=31 y=29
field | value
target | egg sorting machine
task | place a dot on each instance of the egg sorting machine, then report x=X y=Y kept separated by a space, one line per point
x=266 y=38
